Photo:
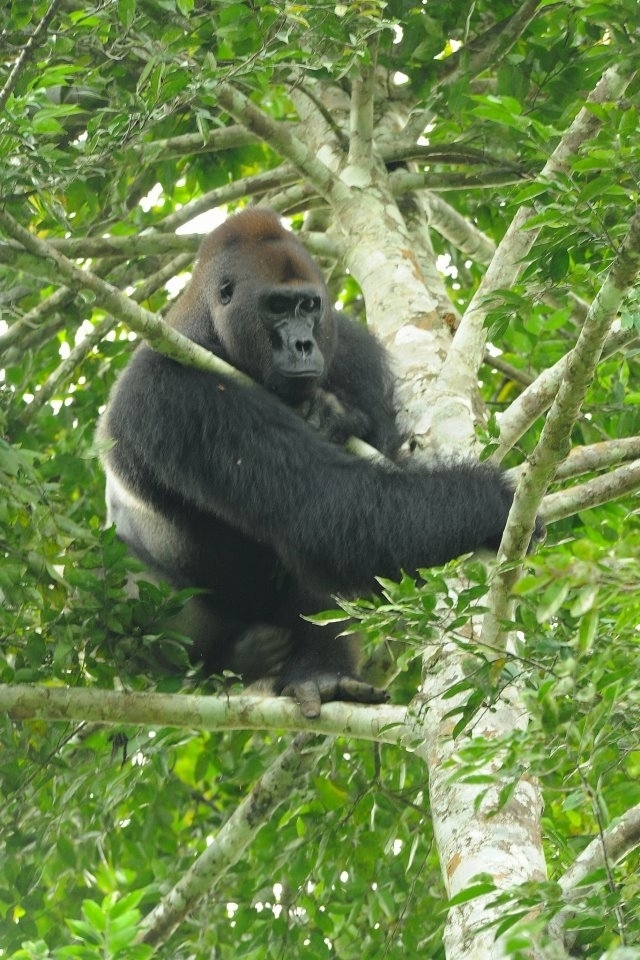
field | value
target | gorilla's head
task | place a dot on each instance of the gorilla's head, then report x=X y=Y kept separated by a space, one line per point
x=258 y=294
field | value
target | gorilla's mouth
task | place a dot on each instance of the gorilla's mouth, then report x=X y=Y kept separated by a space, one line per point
x=293 y=387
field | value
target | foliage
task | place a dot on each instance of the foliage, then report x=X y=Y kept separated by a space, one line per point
x=111 y=127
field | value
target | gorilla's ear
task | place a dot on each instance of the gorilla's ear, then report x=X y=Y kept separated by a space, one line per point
x=191 y=314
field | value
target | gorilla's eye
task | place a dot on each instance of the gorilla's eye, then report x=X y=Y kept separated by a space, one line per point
x=226 y=291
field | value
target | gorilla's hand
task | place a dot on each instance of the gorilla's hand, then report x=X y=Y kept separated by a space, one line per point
x=320 y=688
x=326 y=414
x=539 y=533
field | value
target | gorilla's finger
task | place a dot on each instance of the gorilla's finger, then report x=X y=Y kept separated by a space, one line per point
x=308 y=696
x=351 y=689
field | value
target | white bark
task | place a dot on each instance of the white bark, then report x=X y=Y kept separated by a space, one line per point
x=383 y=723
x=474 y=833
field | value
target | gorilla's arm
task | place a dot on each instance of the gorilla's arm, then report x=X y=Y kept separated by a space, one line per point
x=360 y=379
x=188 y=440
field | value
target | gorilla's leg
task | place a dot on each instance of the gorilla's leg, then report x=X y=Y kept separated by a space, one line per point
x=323 y=665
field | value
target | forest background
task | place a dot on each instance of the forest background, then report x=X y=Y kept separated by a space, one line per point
x=467 y=174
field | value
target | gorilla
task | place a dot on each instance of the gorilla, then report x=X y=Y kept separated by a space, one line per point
x=247 y=493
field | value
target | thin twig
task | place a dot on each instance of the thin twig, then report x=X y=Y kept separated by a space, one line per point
x=27 y=52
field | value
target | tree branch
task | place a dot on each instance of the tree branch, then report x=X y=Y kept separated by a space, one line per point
x=615 y=843
x=133 y=245
x=309 y=105
x=143 y=244
x=455 y=228
x=278 y=136
x=380 y=722
x=475 y=829
x=154 y=330
x=592 y=493
x=27 y=52
x=64 y=370
x=538 y=397
x=255 y=185
x=460 y=368
x=597 y=456
x=407 y=181
x=284 y=778
x=509 y=371
x=554 y=442
x=35 y=319
x=466 y=237
x=192 y=144
x=361 y=113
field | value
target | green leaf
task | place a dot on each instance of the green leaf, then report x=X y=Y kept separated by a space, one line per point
x=331 y=796
x=94 y=914
x=552 y=599
x=126 y=12
x=587 y=631
x=558 y=265
x=328 y=616
x=472 y=892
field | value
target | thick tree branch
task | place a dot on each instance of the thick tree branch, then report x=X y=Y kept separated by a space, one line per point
x=142 y=321
x=361 y=114
x=455 y=228
x=455 y=154
x=278 y=136
x=144 y=245
x=475 y=831
x=14 y=257
x=309 y=106
x=381 y=722
x=406 y=181
x=598 y=456
x=133 y=245
x=192 y=144
x=295 y=199
x=258 y=184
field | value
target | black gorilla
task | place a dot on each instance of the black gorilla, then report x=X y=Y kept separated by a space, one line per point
x=246 y=492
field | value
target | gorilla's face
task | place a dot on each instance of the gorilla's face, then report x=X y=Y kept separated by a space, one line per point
x=268 y=304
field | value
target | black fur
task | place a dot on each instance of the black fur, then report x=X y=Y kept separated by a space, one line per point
x=263 y=508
